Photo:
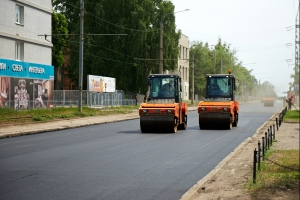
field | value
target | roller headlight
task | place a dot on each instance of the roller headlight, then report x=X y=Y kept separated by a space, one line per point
x=145 y=111
x=169 y=111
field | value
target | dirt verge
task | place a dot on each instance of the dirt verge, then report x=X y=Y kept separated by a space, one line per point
x=228 y=179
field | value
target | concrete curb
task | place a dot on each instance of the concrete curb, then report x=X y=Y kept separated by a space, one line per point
x=70 y=124
x=194 y=190
x=64 y=127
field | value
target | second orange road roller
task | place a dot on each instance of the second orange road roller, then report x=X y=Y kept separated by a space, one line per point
x=268 y=101
x=163 y=110
x=219 y=110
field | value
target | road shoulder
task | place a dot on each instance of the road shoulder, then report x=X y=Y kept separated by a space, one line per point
x=227 y=180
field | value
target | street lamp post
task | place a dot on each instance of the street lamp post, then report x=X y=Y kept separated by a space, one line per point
x=161 y=48
x=193 y=86
x=161 y=68
x=214 y=69
x=81 y=55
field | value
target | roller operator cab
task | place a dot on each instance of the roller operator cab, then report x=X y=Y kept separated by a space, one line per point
x=163 y=110
x=219 y=110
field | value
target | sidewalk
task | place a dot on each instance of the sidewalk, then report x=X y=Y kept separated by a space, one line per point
x=33 y=128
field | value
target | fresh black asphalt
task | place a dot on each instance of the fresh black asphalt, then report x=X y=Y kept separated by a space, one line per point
x=117 y=161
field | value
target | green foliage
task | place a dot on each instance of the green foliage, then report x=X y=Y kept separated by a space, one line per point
x=10 y=116
x=7 y=111
x=59 y=26
x=273 y=177
x=267 y=90
x=128 y=58
x=219 y=58
x=211 y=60
x=38 y=118
x=64 y=116
x=203 y=65
x=291 y=116
x=82 y=114
x=49 y=117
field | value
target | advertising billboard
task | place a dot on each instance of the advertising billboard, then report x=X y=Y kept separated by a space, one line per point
x=101 y=84
x=26 y=85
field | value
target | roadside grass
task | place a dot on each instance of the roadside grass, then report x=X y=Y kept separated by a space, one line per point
x=10 y=116
x=275 y=178
x=272 y=178
x=291 y=116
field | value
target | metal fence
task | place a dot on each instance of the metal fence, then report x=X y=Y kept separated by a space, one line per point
x=69 y=98
x=264 y=145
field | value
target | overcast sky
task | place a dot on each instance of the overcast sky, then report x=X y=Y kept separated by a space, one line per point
x=259 y=30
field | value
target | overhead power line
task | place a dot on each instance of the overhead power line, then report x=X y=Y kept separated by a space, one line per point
x=89 y=13
x=154 y=30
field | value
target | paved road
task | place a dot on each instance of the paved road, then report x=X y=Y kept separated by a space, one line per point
x=116 y=161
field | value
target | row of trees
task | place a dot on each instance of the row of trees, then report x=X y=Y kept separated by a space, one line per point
x=129 y=58
x=219 y=58
x=132 y=52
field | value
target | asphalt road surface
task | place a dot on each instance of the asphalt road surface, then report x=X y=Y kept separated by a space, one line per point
x=117 y=161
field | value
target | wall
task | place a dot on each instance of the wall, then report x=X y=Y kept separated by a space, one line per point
x=20 y=85
x=37 y=21
x=183 y=65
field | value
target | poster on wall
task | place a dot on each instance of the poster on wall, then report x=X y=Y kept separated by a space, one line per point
x=21 y=93
x=31 y=93
x=4 y=91
x=25 y=85
x=43 y=94
x=101 y=84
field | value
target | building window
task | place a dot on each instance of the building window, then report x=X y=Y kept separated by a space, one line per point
x=186 y=75
x=181 y=53
x=186 y=53
x=19 y=14
x=179 y=70
x=183 y=73
x=19 y=51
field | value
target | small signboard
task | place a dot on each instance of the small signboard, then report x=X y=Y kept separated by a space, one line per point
x=296 y=87
x=101 y=84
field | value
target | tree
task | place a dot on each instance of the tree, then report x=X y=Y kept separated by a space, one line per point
x=210 y=61
x=128 y=58
x=59 y=40
x=267 y=90
x=203 y=64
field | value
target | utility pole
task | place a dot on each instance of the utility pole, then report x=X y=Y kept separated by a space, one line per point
x=81 y=55
x=297 y=49
x=193 y=86
x=161 y=48
x=161 y=32
x=221 y=65
x=214 y=60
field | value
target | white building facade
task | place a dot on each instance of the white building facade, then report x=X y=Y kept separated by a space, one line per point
x=21 y=21
x=183 y=65
x=26 y=73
